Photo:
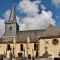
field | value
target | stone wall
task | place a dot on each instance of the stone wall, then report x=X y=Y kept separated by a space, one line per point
x=42 y=59
x=51 y=48
x=11 y=32
x=3 y=48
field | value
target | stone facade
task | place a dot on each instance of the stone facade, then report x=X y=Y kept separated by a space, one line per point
x=53 y=49
x=33 y=43
x=17 y=49
x=10 y=29
x=11 y=26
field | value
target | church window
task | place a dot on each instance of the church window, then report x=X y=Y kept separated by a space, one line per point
x=35 y=46
x=55 y=42
x=8 y=47
x=21 y=45
x=10 y=28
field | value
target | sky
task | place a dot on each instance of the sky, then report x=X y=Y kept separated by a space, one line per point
x=30 y=14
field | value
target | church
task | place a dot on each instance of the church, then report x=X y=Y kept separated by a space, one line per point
x=35 y=43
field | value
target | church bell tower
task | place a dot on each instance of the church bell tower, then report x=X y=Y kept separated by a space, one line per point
x=11 y=26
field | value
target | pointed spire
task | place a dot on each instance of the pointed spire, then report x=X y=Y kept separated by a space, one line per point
x=12 y=17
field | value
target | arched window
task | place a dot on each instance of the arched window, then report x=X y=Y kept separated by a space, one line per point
x=21 y=45
x=35 y=46
x=8 y=47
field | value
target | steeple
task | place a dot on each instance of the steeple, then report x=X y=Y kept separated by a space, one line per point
x=12 y=17
x=11 y=26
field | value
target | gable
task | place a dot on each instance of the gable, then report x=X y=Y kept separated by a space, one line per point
x=51 y=31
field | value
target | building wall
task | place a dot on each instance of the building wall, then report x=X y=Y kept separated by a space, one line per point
x=17 y=49
x=52 y=49
x=10 y=32
x=30 y=49
x=3 y=48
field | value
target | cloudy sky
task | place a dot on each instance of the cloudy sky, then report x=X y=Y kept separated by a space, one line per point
x=31 y=14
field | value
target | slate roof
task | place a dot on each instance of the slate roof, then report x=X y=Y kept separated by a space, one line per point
x=21 y=36
x=32 y=34
x=6 y=40
x=51 y=31
x=12 y=18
